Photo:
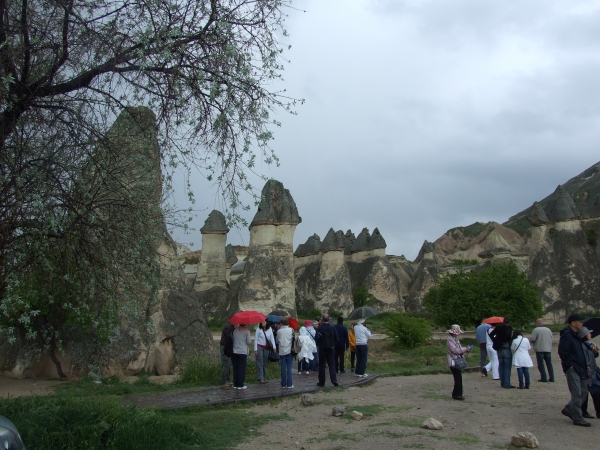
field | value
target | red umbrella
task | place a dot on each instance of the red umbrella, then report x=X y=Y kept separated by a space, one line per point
x=494 y=319
x=247 y=317
x=293 y=323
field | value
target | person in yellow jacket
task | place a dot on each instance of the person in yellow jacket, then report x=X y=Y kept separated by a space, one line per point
x=352 y=339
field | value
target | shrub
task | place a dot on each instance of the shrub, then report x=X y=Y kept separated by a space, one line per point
x=408 y=332
x=592 y=237
x=197 y=369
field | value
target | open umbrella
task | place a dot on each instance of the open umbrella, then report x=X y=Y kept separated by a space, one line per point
x=593 y=323
x=293 y=323
x=273 y=318
x=247 y=317
x=363 y=312
x=279 y=312
x=494 y=319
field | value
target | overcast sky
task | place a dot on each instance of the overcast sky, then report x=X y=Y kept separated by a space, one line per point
x=425 y=115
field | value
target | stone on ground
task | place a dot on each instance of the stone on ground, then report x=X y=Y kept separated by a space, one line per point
x=432 y=424
x=356 y=415
x=524 y=439
x=307 y=400
x=337 y=411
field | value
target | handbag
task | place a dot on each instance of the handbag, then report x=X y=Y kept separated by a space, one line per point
x=296 y=345
x=273 y=356
x=459 y=363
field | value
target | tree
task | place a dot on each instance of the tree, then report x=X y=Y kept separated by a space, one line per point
x=362 y=296
x=499 y=290
x=74 y=226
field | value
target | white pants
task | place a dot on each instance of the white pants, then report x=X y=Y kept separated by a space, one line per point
x=493 y=364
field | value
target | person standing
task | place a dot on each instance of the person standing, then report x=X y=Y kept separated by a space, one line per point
x=521 y=360
x=226 y=339
x=326 y=339
x=341 y=346
x=572 y=359
x=241 y=340
x=284 y=339
x=493 y=365
x=362 y=334
x=542 y=342
x=352 y=341
x=264 y=342
x=481 y=335
x=502 y=338
x=455 y=350
x=590 y=350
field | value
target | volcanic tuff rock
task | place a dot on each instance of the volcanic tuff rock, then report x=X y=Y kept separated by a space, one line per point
x=277 y=207
x=215 y=223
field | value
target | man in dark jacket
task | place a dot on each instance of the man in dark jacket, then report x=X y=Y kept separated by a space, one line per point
x=226 y=335
x=574 y=366
x=326 y=338
x=342 y=345
x=502 y=337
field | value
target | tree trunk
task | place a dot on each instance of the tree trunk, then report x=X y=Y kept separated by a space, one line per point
x=55 y=360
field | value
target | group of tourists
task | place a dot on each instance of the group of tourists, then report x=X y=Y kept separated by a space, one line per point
x=507 y=348
x=319 y=344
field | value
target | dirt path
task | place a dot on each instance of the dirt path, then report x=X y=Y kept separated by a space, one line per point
x=10 y=387
x=395 y=407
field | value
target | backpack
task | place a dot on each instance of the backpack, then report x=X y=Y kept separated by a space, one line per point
x=327 y=337
x=296 y=345
x=228 y=347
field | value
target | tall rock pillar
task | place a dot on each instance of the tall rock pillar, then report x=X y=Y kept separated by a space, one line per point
x=268 y=280
x=212 y=269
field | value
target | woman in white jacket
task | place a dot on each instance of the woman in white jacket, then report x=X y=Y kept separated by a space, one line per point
x=493 y=355
x=521 y=360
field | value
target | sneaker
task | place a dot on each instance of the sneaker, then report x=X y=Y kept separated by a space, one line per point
x=235 y=387
x=291 y=387
x=357 y=375
x=484 y=371
x=307 y=372
x=365 y=375
x=299 y=372
x=243 y=387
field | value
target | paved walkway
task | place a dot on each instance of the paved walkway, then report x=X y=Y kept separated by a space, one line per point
x=216 y=395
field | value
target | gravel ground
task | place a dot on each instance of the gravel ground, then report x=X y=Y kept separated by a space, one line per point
x=395 y=407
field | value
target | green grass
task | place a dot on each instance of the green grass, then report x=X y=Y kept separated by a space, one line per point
x=65 y=422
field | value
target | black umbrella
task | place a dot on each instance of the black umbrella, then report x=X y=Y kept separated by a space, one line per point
x=363 y=312
x=593 y=323
x=278 y=312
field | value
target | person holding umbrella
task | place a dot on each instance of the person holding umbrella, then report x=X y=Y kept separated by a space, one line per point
x=241 y=340
x=362 y=334
x=239 y=359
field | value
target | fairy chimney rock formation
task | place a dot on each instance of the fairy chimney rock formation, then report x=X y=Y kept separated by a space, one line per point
x=563 y=207
x=268 y=279
x=537 y=215
x=212 y=269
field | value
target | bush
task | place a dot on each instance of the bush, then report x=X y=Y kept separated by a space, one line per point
x=197 y=369
x=408 y=332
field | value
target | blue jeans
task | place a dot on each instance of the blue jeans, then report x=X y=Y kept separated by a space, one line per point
x=523 y=372
x=362 y=352
x=286 y=369
x=505 y=363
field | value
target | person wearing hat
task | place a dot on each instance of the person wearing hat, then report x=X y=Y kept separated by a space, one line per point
x=362 y=335
x=574 y=365
x=542 y=341
x=590 y=350
x=455 y=350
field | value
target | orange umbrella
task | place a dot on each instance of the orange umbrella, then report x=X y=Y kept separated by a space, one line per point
x=247 y=317
x=293 y=323
x=493 y=320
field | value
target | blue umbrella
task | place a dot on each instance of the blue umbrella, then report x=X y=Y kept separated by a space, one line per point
x=273 y=318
